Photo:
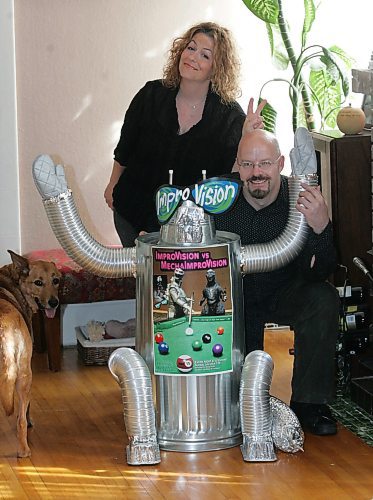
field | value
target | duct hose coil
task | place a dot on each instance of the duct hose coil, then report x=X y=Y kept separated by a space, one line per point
x=81 y=247
x=132 y=374
x=264 y=257
x=266 y=422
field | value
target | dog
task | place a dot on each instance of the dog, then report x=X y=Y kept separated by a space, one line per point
x=25 y=287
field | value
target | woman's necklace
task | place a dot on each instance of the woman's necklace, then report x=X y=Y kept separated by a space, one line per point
x=189 y=114
x=191 y=106
x=195 y=106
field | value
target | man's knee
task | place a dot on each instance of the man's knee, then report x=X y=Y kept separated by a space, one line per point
x=325 y=297
x=320 y=314
x=315 y=304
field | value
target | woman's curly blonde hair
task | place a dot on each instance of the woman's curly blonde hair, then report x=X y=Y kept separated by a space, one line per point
x=225 y=67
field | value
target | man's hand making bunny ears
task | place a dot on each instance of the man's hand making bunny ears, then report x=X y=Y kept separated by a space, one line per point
x=253 y=119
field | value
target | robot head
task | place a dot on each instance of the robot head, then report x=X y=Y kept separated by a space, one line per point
x=159 y=280
x=210 y=274
x=178 y=274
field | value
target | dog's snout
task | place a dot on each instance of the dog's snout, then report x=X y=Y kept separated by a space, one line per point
x=53 y=302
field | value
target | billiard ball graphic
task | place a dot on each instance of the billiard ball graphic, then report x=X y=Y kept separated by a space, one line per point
x=217 y=350
x=206 y=338
x=163 y=348
x=197 y=345
x=158 y=337
x=189 y=331
x=220 y=330
x=184 y=363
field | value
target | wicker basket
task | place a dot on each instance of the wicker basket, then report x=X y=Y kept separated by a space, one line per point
x=97 y=353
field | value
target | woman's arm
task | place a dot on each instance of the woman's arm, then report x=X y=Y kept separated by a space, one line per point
x=128 y=137
x=114 y=178
x=254 y=119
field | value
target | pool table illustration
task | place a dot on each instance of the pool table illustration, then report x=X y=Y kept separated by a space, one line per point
x=205 y=349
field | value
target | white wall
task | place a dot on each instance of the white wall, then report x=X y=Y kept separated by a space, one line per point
x=9 y=193
x=79 y=63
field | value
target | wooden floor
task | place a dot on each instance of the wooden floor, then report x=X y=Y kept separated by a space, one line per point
x=78 y=442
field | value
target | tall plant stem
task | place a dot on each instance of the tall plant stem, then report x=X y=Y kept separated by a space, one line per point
x=293 y=61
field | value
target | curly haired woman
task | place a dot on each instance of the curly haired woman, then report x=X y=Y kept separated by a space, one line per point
x=187 y=122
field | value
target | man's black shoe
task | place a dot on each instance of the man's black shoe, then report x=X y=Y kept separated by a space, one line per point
x=315 y=418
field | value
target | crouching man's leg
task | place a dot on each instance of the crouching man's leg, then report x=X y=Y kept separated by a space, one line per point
x=312 y=309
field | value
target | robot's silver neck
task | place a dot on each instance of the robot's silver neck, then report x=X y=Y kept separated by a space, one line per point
x=189 y=225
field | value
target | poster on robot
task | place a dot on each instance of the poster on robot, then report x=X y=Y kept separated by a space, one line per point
x=192 y=310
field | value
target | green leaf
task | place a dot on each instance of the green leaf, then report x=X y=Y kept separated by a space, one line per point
x=345 y=83
x=270 y=37
x=326 y=94
x=269 y=115
x=298 y=111
x=331 y=119
x=348 y=60
x=280 y=57
x=266 y=10
x=301 y=116
x=331 y=68
x=309 y=17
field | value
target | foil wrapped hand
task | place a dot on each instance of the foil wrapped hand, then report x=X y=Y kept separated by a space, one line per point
x=302 y=156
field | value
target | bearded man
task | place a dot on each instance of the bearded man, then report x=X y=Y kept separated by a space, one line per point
x=297 y=294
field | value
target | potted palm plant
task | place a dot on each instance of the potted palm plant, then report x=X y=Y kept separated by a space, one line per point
x=320 y=76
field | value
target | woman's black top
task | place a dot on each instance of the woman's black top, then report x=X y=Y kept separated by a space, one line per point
x=150 y=146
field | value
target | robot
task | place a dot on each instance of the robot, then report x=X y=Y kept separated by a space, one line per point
x=179 y=304
x=194 y=413
x=159 y=293
x=213 y=296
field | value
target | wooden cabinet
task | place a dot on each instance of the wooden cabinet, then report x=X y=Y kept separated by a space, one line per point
x=344 y=168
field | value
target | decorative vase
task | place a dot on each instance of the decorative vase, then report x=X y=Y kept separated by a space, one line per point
x=351 y=120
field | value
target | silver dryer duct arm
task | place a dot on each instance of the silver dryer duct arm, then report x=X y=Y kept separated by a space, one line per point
x=69 y=230
x=121 y=262
x=263 y=257
x=132 y=374
x=267 y=422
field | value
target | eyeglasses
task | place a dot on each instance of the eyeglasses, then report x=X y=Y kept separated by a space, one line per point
x=263 y=165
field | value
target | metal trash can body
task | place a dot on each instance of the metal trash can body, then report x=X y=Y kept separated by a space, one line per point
x=194 y=412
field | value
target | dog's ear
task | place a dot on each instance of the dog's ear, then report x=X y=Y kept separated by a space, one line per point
x=20 y=262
